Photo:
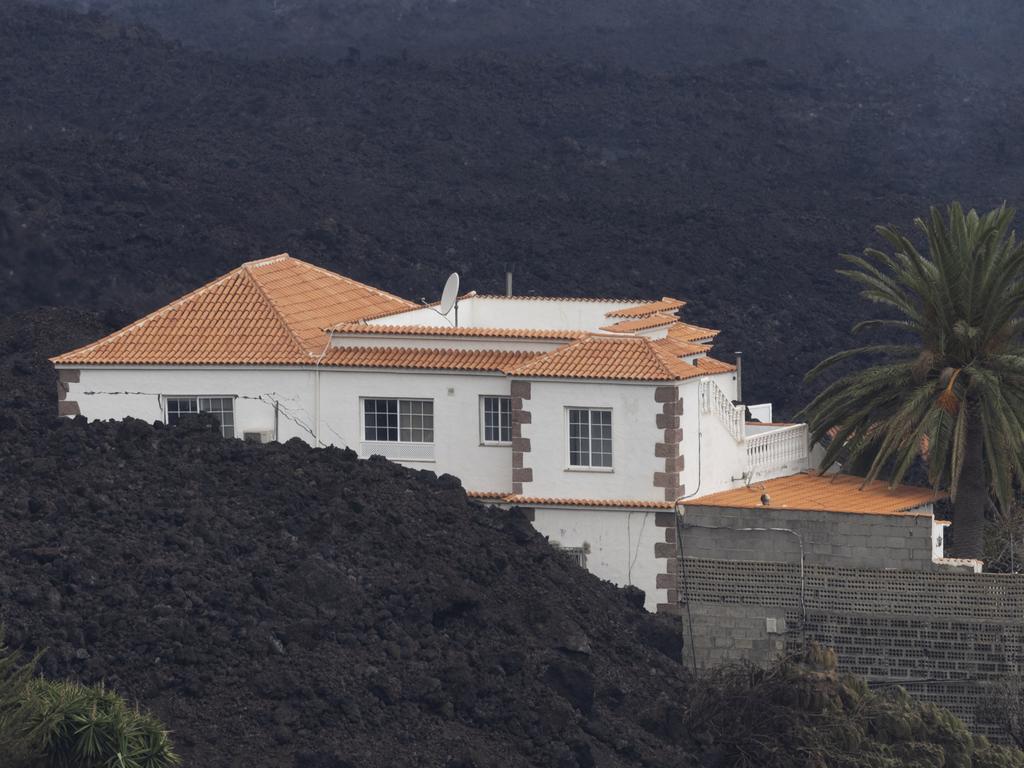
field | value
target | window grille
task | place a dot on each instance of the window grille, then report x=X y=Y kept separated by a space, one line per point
x=590 y=437
x=577 y=554
x=394 y=420
x=221 y=408
x=497 y=419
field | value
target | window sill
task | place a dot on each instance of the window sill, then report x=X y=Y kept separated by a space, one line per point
x=605 y=470
x=495 y=445
x=397 y=451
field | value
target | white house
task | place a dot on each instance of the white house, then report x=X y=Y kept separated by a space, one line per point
x=596 y=414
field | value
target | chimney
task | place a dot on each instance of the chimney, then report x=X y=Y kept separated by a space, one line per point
x=739 y=377
x=508 y=279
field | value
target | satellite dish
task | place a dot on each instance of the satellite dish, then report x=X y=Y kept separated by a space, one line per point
x=450 y=294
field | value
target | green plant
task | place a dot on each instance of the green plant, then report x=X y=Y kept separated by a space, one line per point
x=78 y=726
x=15 y=675
x=57 y=724
x=957 y=385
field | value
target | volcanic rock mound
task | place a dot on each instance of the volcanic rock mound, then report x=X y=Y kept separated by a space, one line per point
x=278 y=601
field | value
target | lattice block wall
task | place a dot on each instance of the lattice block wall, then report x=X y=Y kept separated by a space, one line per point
x=946 y=637
x=992 y=596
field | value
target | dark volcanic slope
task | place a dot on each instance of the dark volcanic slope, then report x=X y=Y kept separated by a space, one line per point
x=133 y=169
x=650 y=34
x=281 y=606
x=275 y=601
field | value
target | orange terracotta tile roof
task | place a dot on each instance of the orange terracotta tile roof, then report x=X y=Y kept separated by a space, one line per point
x=666 y=304
x=629 y=358
x=640 y=324
x=813 y=492
x=447 y=330
x=679 y=348
x=708 y=366
x=428 y=359
x=686 y=332
x=548 y=501
x=269 y=311
x=541 y=501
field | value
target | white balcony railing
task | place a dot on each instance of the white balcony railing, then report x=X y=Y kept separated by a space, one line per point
x=767 y=451
x=783 y=447
x=715 y=401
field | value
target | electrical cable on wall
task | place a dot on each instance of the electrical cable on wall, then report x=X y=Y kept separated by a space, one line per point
x=272 y=399
x=680 y=526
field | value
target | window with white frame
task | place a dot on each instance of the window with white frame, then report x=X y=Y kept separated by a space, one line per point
x=394 y=420
x=495 y=420
x=590 y=438
x=221 y=408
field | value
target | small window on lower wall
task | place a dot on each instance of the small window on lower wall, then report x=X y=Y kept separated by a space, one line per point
x=577 y=555
x=221 y=408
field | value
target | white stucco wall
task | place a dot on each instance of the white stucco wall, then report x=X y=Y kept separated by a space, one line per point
x=621 y=544
x=118 y=392
x=139 y=392
x=713 y=457
x=516 y=312
x=634 y=433
x=457 y=447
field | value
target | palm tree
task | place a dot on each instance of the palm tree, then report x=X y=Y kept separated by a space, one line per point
x=956 y=385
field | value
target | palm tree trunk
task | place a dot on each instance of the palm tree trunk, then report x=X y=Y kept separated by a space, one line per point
x=971 y=498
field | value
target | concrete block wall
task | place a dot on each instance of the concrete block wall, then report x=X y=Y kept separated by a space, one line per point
x=947 y=636
x=721 y=634
x=829 y=538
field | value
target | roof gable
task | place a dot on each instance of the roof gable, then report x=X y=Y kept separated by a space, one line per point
x=264 y=312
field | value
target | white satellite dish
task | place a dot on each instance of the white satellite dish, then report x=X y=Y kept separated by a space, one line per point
x=450 y=294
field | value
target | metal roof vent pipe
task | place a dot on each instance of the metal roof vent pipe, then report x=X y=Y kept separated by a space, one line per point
x=508 y=279
x=739 y=377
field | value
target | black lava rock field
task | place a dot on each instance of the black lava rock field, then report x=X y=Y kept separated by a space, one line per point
x=133 y=168
x=278 y=605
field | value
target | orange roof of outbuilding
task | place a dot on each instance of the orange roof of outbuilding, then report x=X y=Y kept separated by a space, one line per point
x=270 y=311
x=814 y=492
